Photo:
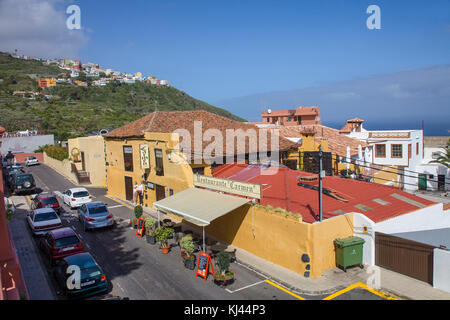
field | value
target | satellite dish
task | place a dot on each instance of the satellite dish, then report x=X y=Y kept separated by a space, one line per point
x=104 y=131
x=269 y=111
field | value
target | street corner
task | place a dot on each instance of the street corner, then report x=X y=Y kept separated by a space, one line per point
x=361 y=291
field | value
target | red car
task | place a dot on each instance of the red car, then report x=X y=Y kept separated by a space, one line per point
x=60 y=243
x=46 y=200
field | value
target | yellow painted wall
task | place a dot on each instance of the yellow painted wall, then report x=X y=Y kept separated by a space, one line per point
x=383 y=177
x=282 y=239
x=62 y=167
x=94 y=156
x=178 y=176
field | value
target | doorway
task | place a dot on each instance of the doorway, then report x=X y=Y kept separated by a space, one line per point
x=129 y=188
x=160 y=192
x=441 y=182
x=83 y=164
x=422 y=181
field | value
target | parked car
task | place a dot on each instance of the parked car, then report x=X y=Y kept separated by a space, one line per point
x=30 y=161
x=92 y=280
x=95 y=215
x=60 y=243
x=10 y=176
x=22 y=182
x=43 y=220
x=76 y=197
x=46 y=200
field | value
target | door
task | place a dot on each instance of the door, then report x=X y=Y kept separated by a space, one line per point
x=441 y=182
x=411 y=258
x=160 y=192
x=291 y=164
x=128 y=188
x=83 y=165
x=422 y=181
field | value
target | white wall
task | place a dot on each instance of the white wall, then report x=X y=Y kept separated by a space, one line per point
x=428 y=218
x=441 y=271
x=359 y=222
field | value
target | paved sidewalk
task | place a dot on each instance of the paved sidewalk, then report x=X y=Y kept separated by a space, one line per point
x=332 y=280
x=34 y=275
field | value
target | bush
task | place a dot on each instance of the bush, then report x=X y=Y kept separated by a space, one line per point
x=162 y=234
x=55 y=152
x=138 y=211
x=187 y=245
x=223 y=261
x=150 y=225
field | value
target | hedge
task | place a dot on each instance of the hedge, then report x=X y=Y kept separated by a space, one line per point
x=58 y=153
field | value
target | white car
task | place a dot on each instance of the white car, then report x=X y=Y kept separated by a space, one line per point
x=30 y=161
x=43 y=220
x=76 y=197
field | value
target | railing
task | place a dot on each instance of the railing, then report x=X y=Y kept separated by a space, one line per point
x=82 y=176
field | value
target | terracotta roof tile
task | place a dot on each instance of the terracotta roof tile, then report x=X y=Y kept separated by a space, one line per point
x=167 y=122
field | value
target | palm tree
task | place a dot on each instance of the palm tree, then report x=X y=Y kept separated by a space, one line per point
x=444 y=158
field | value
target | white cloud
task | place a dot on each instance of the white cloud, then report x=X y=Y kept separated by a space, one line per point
x=38 y=28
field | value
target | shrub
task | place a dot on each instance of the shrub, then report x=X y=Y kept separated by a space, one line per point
x=187 y=245
x=138 y=211
x=55 y=152
x=223 y=262
x=150 y=225
x=162 y=234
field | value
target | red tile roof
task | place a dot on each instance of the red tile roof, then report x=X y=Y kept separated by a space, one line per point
x=281 y=190
x=350 y=125
x=337 y=143
x=167 y=122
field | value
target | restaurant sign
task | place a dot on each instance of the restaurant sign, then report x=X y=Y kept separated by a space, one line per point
x=145 y=158
x=246 y=189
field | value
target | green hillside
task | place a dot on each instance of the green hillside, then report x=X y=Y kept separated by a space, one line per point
x=76 y=111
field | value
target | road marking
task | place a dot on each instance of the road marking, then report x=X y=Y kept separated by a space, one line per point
x=120 y=287
x=361 y=285
x=119 y=205
x=250 y=285
x=285 y=290
x=118 y=201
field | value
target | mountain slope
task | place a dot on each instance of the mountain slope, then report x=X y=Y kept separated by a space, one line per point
x=76 y=111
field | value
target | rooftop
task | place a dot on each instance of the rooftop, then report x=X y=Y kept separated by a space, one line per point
x=167 y=122
x=337 y=143
x=281 y=189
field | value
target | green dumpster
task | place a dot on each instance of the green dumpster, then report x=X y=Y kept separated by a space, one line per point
x=349 y=252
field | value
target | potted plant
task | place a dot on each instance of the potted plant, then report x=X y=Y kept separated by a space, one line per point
x=150 y=230
x=223 y=276
x=162 y=234
x=187 y=251
x=137 y=213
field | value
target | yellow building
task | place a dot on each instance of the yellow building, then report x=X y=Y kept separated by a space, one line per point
x=149 y=160
x=88 y=155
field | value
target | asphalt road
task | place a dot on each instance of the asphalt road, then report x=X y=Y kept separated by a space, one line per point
x=139 y=271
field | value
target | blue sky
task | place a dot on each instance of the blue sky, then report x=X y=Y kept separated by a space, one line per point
x=221 y=50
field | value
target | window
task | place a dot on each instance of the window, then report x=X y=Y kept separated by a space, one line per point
x=396 y=151
x=380 y=151
x=409 y=151
x=128 y=158
x=159 y=162
x=417 y=148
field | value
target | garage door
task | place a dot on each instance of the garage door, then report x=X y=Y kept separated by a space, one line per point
x=413 y=259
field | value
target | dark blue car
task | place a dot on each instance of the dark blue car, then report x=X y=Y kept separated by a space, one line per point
x=92 y=280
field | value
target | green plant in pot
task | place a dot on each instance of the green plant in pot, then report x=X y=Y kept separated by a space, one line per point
x=223 y=276
x=150 y=230
x=162 y=235
x=187 y=251
x=137 y=214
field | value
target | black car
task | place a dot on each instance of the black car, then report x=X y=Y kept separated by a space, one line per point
x=22 y=182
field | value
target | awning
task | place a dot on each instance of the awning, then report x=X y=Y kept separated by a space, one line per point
x=200 y=206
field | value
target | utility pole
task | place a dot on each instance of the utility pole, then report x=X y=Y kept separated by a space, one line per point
x=320 y=182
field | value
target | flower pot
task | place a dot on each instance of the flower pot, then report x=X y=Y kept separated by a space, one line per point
x=165 y=250
x=224 y=283
x=189 y=263
x=150 y=239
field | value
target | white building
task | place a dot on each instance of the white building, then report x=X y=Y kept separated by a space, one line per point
x=404 y=149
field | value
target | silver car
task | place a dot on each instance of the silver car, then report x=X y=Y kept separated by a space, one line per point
x=95 y=215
